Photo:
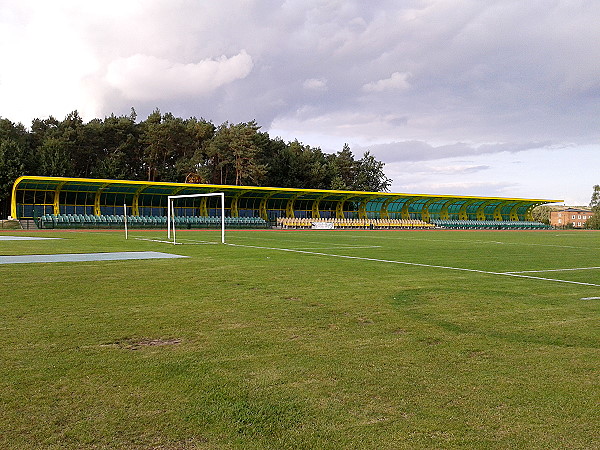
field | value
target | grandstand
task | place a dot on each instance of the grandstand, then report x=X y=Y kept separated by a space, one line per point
x=58 y=202
x=373 y=224
x=489 y=225
x=118 y=221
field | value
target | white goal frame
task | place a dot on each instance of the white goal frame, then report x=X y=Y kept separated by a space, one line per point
x=171 y=212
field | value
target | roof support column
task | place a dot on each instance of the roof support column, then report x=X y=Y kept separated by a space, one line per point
x=234 y=204
x=262 y=208
x=56 y=202
x=135 y=205
x=315 y=207
x=513 y=212
x=289 y=207
x=339 y=207
x=480 y=213
x=13 y=202
x=383 y=211
x=203 y=210
x=425 y=216
x=404 y=213
x=528 y=215
x=444 y=215
x=362 y=209
x=498 y=211
x=462 y=212
x=97 y=210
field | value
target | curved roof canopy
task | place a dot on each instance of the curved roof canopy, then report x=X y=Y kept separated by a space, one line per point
x=33 y=196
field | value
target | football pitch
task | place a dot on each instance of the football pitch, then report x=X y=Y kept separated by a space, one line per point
x=302 y=339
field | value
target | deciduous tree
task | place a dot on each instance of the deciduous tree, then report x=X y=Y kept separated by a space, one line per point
x=594 y=222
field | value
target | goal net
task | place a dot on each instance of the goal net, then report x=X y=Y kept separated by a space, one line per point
x=193 y=211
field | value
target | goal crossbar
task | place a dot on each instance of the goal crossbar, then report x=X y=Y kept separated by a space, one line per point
x=171 y=212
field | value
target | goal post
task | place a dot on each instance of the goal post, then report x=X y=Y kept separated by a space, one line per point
x=171 y=212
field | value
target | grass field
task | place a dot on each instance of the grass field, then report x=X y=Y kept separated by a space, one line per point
x=250 y=346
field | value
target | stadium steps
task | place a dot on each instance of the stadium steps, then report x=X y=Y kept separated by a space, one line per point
x=28 y=224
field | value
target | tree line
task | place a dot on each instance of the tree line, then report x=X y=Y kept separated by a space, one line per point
x=171 y=149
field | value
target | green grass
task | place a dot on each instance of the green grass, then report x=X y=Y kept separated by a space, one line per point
x=272 y=349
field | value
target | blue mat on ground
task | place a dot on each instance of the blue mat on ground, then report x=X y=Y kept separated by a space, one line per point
x=24 y=238
x=80 y=257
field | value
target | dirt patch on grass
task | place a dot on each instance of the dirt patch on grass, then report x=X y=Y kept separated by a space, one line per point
x=136 y=344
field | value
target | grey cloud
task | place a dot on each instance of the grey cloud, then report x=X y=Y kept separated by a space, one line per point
x=492 y=189
x=491 y=71
x=423 y=151
x=460 y=169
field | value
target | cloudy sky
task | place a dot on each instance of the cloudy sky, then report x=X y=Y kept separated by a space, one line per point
x=469 y=97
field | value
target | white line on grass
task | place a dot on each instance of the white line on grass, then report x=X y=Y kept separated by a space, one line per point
x=157 y=240
x=555 y=270
x=590 y=298
x=331 y=245
x=462 y=269
x=476 y=241
x=337 y=248
x=198 y=242
x=179 y=242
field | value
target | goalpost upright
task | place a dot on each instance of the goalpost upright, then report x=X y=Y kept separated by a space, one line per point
x=171 y=212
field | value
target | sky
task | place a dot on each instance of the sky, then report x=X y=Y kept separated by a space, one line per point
x=493 y=98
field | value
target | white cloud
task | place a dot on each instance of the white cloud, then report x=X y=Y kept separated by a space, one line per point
x=146 y=77
x=44 y=64
x=315 y=84
x=397 y=82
